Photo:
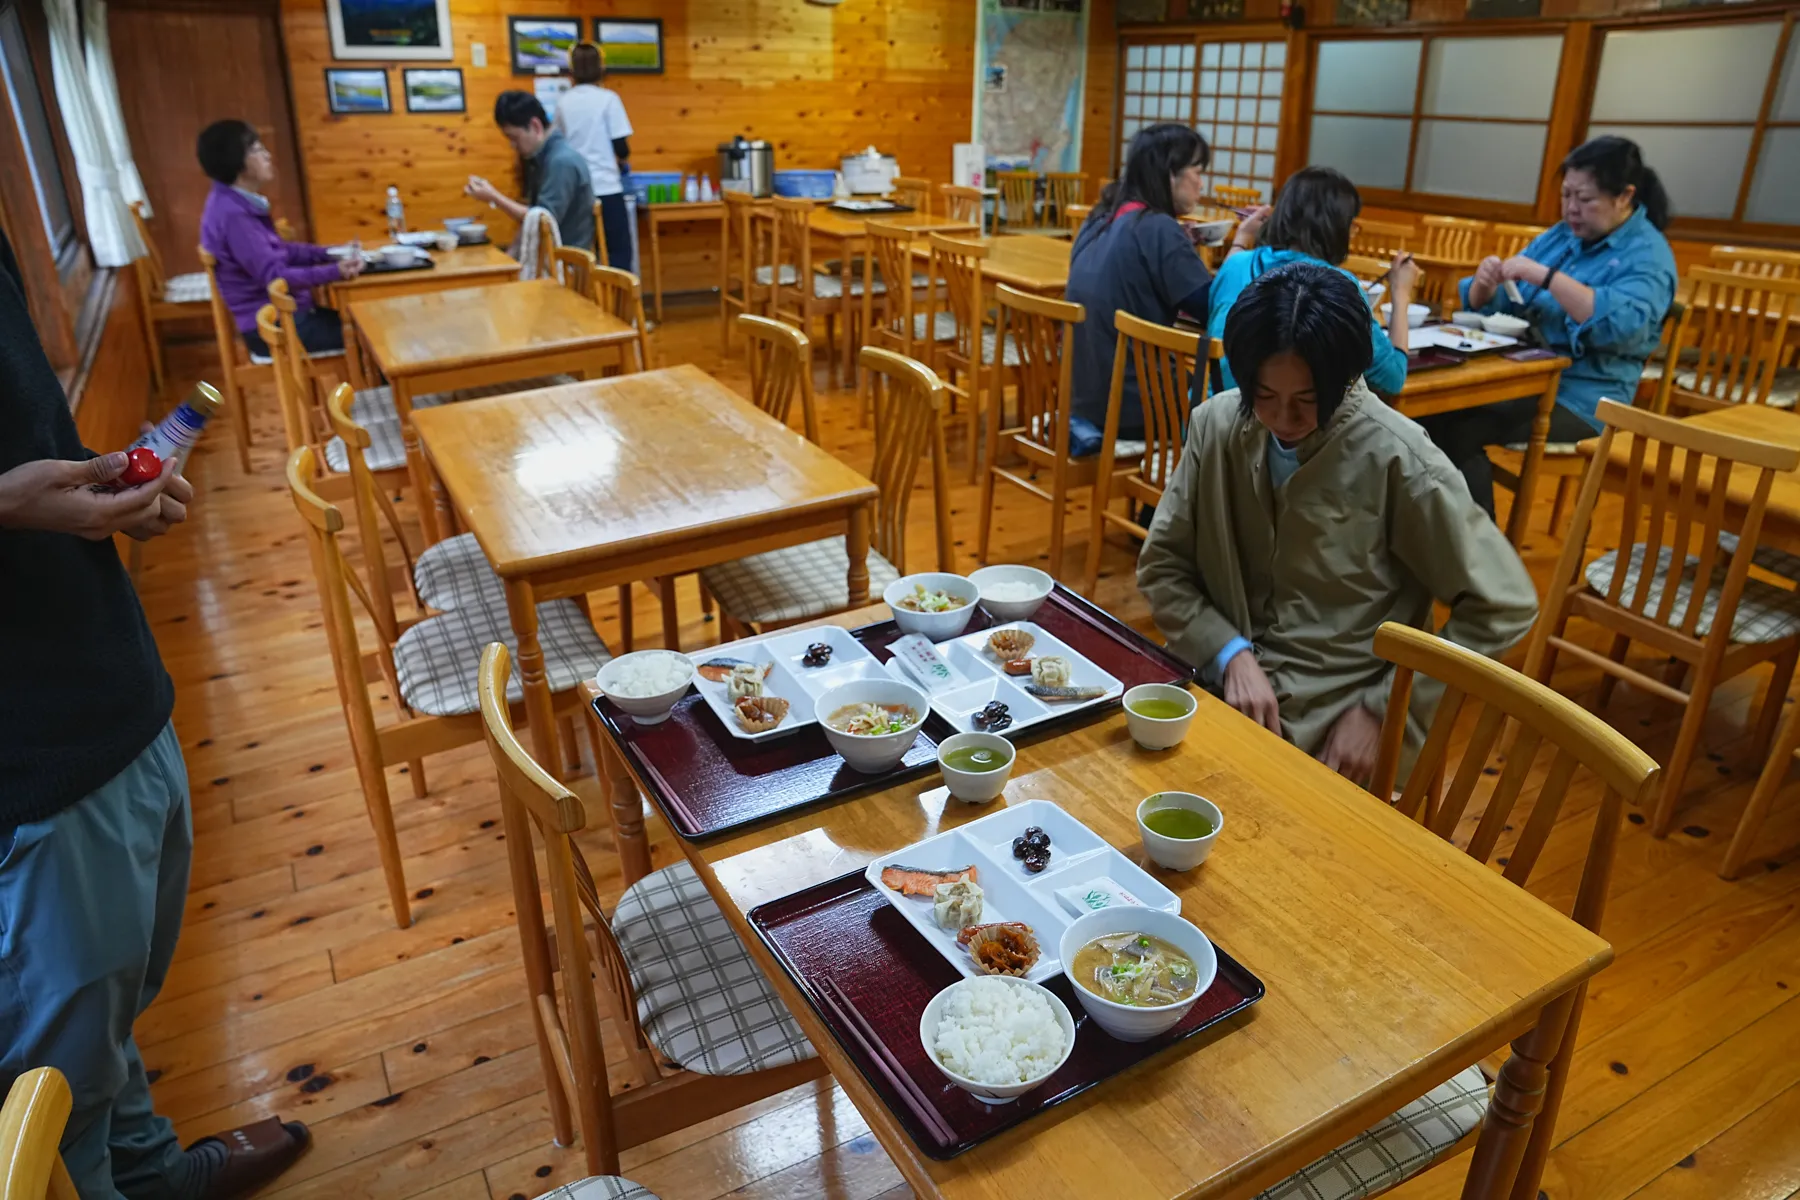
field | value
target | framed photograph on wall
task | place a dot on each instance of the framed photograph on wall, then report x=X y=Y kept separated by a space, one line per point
x=389 y=29
x=631 y=47
x=353 y=90
x=538 y=42
x=434 y=90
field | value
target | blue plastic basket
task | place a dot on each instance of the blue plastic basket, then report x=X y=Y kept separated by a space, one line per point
x=809 y=185
x=641 y=181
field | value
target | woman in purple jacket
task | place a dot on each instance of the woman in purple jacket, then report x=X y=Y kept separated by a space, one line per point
x=237 y=230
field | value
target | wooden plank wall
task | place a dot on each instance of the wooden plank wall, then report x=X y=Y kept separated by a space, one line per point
x=816 y=82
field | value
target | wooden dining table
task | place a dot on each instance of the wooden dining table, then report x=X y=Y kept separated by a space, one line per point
x=588 y=485
x=1392 y=960
x=463 y=267
x=1488 y=379
x=1024 y=261
x=468 y=337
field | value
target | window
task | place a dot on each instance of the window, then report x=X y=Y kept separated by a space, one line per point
x=1474 y=126
x=1693 y=98
x=1233 y=100
x=34 y=131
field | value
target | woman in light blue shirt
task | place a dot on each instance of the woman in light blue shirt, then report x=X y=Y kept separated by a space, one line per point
x=1594 y=287
x=1310 y=223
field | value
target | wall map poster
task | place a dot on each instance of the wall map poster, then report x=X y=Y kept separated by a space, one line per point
x=1030 y=68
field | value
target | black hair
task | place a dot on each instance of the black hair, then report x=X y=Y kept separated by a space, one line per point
x=222 y=148
x=1157 y=152
x=1313 y=213
x=516 y=109
x=587 y=63
x=1315 y=312
x=1616 y=163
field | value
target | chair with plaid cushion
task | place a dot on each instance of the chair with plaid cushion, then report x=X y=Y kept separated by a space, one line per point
x=963 y=203
x=965 y=360
x=599 y=1187
x=1163 y=360
x=1678 y=590
x=162 y=298
x=898 y=320
x=575 y=267
x=780 y=370
x=619 y=292
x=1453 y=685
x=426 y=666
x=802 y=583
x=797 y=293
x=1733 y=337
x=701 y=1030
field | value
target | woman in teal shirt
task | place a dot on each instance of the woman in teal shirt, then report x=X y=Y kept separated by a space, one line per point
x=1594 y=287
x=1310 y=223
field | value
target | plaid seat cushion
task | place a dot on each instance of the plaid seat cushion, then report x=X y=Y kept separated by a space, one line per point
x=987 y=349
x=260 y=360
x=454 y=573
x=792 y=584
x=191 y=288
x=943 y=327
x=599 y=1187
x=437 y=659
x=1395 y=1148
x=1775 y=562
x=788 y=276
x=1766 y=613
x=701 y=1000
x=1783 y=393
x=387 y=447
x=1563 y=449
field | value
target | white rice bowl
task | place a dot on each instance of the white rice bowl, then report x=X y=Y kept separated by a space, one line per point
x=997 y=1036
x=647 y=684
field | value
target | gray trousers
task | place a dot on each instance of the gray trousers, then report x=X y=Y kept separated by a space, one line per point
x=90 y=907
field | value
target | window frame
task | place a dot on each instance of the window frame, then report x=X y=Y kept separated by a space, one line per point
x=1711 y=228
x=1406 y=197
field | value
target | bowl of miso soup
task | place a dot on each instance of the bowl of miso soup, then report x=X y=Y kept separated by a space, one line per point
x=1137 y=971
x=1158 y=714
x=1178 y=828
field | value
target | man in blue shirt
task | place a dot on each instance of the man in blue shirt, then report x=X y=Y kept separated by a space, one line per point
x=1595 y=288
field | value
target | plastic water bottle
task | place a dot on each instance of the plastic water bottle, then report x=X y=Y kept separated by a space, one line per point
x=707 y=195
x=690 y=189
x=396 y=214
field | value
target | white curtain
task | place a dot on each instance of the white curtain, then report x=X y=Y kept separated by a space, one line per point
x=108 y=107
x=112 y=235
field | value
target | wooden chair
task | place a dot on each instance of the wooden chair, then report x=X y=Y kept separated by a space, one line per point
x=738 y=263
x=797 y=292
x=1512 y=239
x=602 y=252
x=1754 y=260
x=548 y=238
x=1452 y=249
x=1043 y=330
x=427 y=666
x=238 y=369
x=1738 y=623
x=1380 y=239
x=1495 y=698
x=1018 y=206
x=1064 y=190
x=164 y=299
x=703 y=1032
x=801 y=583
x=914 y=194
x=1369 y=270
x=1074 y=215
x=1237 y=197
x=1563 y=461
x=962 y=203
x=32 y=1122
x=780 y=369
x=965 y=359
x=621 y=293
x=575 y=267
x=1731 y=342
x=1163 y=362
x=1768 y=784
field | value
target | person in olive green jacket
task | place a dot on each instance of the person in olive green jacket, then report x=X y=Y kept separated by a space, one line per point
x=1303 y=514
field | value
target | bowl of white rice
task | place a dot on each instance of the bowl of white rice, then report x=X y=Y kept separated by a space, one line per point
x=1013 y=592
x=997 y=1037
x=647 y=684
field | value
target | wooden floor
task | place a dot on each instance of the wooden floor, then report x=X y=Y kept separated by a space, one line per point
x=410 y=1052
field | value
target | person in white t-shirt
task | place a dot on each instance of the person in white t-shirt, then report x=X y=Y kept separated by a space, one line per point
x=593 y=120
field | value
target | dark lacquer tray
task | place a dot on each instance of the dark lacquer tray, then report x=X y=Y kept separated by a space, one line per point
x=383 y=268
x=868 y=974
x=707 y=782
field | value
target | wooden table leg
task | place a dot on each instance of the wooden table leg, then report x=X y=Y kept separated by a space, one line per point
x=627 y=813
x=521 y=606
x=1494 y=1168
x=1534 y=459
x=856 y=543
x=424 y=489
x=656 y=265
x=1543 y=1129
x=671 y=613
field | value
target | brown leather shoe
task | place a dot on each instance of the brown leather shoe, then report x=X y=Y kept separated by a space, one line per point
x=254 y=1155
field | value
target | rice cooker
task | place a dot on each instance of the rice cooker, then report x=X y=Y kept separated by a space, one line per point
x=870 y=172
x=747 y=166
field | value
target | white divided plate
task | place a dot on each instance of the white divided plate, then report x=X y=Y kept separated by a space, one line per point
x=989 y=682
x=797 y=684
x=1455 y=337
x=1009 y=891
